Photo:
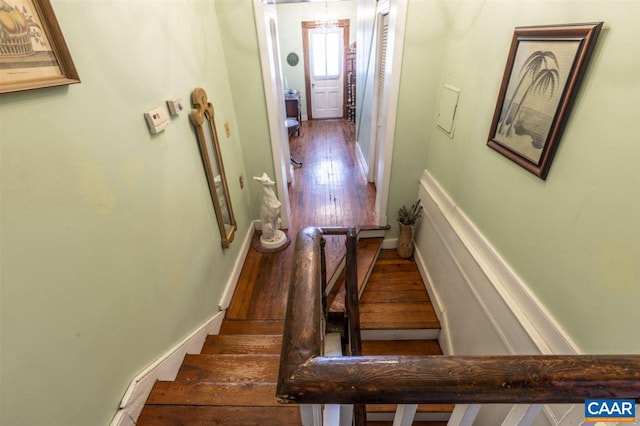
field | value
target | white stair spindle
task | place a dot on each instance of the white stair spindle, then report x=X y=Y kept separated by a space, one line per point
x=522 y=414
x=574 y=417
x=331 y=415
x=311 y=414
x=464 y=414
x=405 y=413
x=346 y=415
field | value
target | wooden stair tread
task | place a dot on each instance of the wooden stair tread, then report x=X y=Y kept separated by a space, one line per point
x=242 y=344
x=397 y=324
x=401 y=347
x=219 y=394
x=269 y=327
x=368 y=249
x=397 y=317
x=395 y=297
x=172 y=415
x=229 y=369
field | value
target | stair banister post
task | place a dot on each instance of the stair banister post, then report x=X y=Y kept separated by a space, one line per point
x=323 y=275
x=353 y=312
x=351 y=284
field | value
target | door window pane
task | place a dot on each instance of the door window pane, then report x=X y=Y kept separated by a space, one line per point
x=325 y=54
x=333 y=54
x=318 y=49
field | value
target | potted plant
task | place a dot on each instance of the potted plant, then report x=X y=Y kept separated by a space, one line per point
x=407 y=218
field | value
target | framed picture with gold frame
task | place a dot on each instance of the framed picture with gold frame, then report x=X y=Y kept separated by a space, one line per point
x=33 y=52
x=544 y=70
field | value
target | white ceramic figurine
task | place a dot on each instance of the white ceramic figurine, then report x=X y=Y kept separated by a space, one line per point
x=272 y=237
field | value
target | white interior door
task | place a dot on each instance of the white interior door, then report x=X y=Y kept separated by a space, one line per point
x=327 y=78
x=382 y=88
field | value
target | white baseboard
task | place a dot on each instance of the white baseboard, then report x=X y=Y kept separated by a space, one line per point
x=230 y=288
x=470 y=283
x=165 y=368
x=361 y=160
x=389 y=243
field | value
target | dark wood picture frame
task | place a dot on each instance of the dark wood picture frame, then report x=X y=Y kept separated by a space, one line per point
x=544 y=70
x=33 y=52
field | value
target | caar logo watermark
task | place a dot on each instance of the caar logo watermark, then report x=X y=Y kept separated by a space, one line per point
x=610 y=410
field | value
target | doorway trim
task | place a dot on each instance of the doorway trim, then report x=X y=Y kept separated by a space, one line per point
x=306 y=26
x=266 y=18
x=397 y=11
x=397 y=24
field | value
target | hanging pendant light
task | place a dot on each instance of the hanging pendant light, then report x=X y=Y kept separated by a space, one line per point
x=328 y=23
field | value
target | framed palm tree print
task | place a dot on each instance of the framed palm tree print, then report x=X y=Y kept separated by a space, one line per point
x=544 y=69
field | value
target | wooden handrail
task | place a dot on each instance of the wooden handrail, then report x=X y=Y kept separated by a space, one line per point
x=306 y=376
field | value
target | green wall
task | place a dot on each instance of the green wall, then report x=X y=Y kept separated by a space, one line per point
x=110 y=253
x=574 y=237
x=109 y=250
x=290 y=17
x=242 y=56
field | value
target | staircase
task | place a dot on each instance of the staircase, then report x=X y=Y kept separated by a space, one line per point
x=233 y=380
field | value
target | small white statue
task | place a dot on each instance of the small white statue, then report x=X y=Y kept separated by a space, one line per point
x=272 y=237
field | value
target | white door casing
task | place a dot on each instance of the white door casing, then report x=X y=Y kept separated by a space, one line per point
x=397 y=11
x=266 y=18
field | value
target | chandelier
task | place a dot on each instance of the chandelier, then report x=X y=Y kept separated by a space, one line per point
x=328 y=23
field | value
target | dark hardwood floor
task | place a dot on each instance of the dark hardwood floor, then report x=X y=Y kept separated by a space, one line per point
x=330 y=189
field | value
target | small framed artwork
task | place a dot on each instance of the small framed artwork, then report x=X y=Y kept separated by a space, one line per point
x=33 y=53
x=544 y=69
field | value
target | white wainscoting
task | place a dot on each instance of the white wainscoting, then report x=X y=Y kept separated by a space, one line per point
x=483 y=305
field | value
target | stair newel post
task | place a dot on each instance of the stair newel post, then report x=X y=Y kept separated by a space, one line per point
x=353 y=312
x=351 y=302
x=323 y=276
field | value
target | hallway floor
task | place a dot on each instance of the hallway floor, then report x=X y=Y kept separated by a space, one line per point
x=330 y=189
x=233 y=380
